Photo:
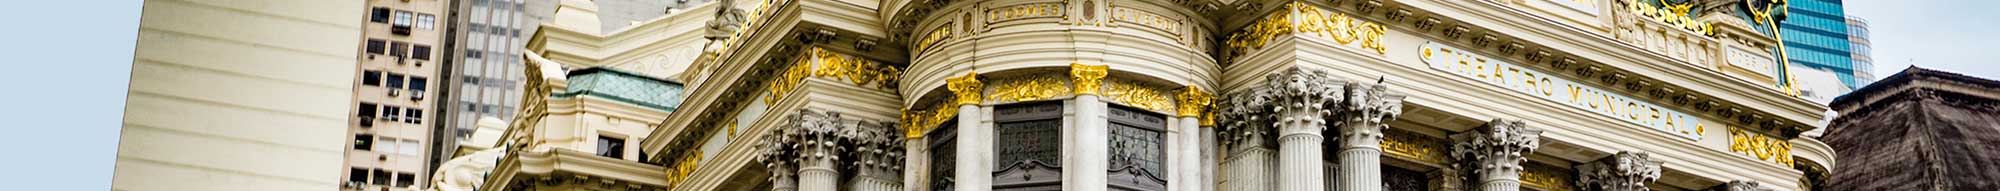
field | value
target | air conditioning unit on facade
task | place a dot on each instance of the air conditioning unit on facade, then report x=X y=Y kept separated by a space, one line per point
x=367 y=121
x=402 y=60
x=417 y=95
x=395 y=92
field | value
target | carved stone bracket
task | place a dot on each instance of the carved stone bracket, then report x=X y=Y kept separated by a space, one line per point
x=1625 y=171
x=1492 y=154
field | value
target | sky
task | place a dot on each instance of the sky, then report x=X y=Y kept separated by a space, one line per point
x=1937 y=34
x=69 y=63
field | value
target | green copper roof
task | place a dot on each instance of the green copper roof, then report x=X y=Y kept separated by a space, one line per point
x=624 y=87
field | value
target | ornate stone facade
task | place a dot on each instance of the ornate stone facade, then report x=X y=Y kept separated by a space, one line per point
x=1200 y=95
x=1625 y=171
x=811 y=152
x=1492 y=154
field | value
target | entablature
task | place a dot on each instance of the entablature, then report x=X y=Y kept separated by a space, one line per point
x=1540 y=42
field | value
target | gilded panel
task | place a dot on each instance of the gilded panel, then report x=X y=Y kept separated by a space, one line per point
x=1024 y=11
x=1149 y=19
x=1309 y=19
x=1414 y=146
x=1759 y=146
x=1028 y=88
x=1547 y=177
x=827 y=64
x=1139 y=95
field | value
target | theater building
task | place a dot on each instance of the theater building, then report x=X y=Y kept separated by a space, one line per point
x=1354 y=95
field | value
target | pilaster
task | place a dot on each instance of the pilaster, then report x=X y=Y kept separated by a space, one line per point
x=1625 y=171
x=1492 y=154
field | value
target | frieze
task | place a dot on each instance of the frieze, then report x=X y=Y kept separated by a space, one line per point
x=1342 y=28
x=1149 y=19
x=1676 y=15
x=683 y=167
x=939 y=34
x=1134 y=94
x=831 y=65
x=1028 y=88
x=1759 y=146
x=1024 y=11
x=916 y=122
x=1547 y=177
x=1567 y=92
x=1414 y=146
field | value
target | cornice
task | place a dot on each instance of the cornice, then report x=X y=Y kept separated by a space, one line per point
x=1711 y=91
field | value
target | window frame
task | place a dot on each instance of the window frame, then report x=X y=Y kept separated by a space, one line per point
x=616 y=146
x=402 y=18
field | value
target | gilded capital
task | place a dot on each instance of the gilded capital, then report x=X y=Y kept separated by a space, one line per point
x=1088 y=79
x=1192 y=101
x=966 y=89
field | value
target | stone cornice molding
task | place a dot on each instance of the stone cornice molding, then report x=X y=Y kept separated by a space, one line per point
x=1715 y=96
x=1496 y=150
x=1624 y=171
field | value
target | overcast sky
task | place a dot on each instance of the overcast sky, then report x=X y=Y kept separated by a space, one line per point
x=1949 y=35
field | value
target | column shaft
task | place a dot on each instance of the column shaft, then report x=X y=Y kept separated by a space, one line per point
x=818 y=174
x=1208 y=162
x=1251 y=169
x=1093 y=148
x=1361 y=169
x=1299 y=165
x=1500 y=185
x=973 y=170
x=1187 y=161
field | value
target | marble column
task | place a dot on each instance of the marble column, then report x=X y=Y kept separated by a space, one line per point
x=1300 y=104
x=806 y=144
x=1209 y=152
x=1493 y=153
x=973 y=172
x=877 y=156
x=1191 y=104
x=1093 y=148
x=1364 y=114
x=1625 y=171
x=1242 y=132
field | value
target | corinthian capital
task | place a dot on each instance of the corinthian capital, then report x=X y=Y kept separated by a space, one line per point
x=1305 y=97
x=876 y=149
x=1496 y=150
x=1365 y=112
x=965 y=89
x=1625 y=171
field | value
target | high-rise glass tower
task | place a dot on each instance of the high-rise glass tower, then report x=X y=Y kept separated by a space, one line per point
x=1857 y=44
x=1815 y=35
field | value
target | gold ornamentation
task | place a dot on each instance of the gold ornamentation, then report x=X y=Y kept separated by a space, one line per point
x=916 y=123
x=824 y=63
x=788 y=80
x=856 y=69
x=1027 y=88
x=1414 y=146
x=1338 y=26
x=1192 y=101
x=1672 y=15
x=936 y=35
x=681 y=170
x=1764 y=148
x=1024 y=11
x=1208 y=118
x=1547 y=177
x=1088 y=78
x=1137 y=95
x=966 y=89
